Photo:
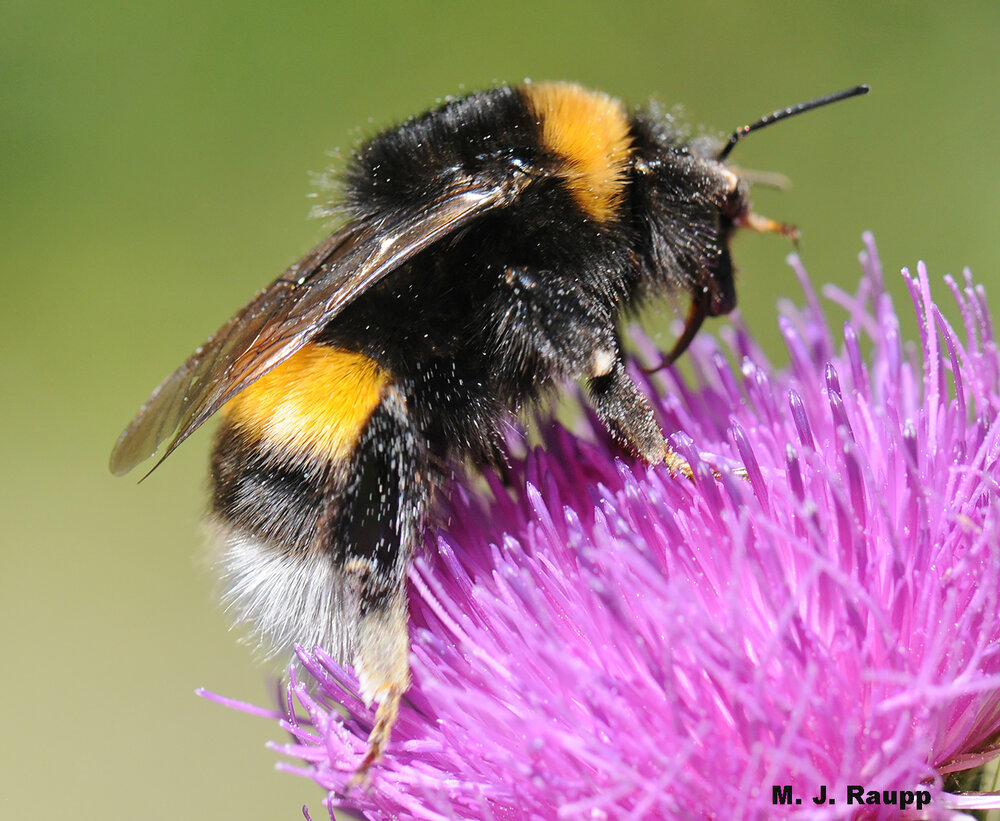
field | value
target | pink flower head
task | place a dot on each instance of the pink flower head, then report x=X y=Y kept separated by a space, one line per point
x=595 y=639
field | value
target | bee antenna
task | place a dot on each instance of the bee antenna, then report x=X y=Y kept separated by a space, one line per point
x=785 y=113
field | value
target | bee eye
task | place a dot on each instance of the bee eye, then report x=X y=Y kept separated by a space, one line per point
x=722 y=298
x=737 y=204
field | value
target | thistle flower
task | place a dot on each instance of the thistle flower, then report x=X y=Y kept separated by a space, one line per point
x=595 y=639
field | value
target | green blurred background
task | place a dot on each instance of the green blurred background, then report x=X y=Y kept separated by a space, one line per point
x=156 y=163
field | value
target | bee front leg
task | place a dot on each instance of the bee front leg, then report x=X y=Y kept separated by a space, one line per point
x=627 y=413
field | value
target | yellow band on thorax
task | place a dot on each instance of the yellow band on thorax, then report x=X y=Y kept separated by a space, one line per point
x=590 y=133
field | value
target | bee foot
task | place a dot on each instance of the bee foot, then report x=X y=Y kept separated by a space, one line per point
x=679 y=466
x=378 y=739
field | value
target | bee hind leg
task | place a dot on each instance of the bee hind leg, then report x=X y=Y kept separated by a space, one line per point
x=379 y=523
x=384 y=671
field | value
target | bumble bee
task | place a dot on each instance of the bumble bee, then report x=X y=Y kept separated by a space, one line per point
x=490 y=248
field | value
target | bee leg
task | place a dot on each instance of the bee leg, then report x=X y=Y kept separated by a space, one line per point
x=629 y=418
x=384 y=668
x=378 y=739
x=378 y=524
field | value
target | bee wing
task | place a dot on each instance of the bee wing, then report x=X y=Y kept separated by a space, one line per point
x=289 y=312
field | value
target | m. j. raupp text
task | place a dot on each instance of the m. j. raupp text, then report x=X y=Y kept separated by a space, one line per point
x=855 y=794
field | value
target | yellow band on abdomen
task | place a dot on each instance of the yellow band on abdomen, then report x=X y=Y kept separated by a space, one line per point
x=315 y=403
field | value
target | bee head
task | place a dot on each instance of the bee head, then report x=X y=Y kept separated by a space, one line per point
x=719 y=203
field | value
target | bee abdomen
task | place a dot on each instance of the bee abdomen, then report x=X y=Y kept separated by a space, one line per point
x=318 y=498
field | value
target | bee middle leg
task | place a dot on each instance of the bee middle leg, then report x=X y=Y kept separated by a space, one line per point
x=629 y=418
